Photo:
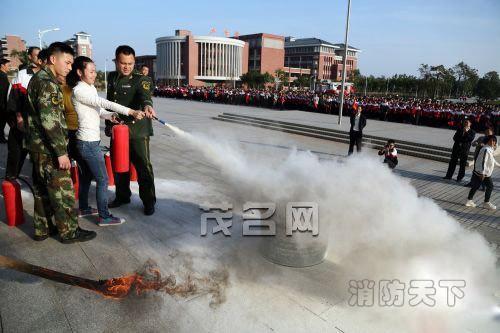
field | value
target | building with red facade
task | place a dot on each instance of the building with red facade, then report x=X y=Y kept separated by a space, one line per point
x=207 y=60
x=266 y=52
x=317 y=57
x=11 y=43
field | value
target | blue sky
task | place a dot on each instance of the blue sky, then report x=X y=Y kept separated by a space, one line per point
x=395 y=36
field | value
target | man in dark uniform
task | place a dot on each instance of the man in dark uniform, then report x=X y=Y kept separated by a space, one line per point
x=132 y=89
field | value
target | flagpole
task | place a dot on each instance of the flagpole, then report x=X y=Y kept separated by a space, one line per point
x=346 y=43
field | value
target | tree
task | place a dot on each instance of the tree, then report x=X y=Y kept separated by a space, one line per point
x=302 y=81
x=99 y=80
x=21 y=55
x=254 y=79
x=267 y=78
x=488 y=87
x=282 y=77
x=467 y=79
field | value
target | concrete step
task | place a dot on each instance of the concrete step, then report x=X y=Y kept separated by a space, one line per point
x=416 y=149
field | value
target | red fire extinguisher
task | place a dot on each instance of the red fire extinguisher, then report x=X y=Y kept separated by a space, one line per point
x=74 y=177
x=133 y=173
x=109 y=169
x=13 y=202
x=120 y=148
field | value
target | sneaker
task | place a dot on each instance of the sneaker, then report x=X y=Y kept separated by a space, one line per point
x=81 y=235
x=489 y=205
x=470 y=203
x=87 y=212
x=446 y=177
x=109 y=221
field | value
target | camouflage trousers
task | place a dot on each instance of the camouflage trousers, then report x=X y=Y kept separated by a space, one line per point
x=54 y=195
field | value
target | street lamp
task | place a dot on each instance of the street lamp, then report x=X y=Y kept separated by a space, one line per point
x=346 y=43
x=42 y=32
x=106 y=77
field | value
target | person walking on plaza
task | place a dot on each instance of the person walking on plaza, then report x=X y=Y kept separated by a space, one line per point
x=133 y=90
x=4 y=90
x=90 y=108
x=463 y=139
x=479 y=143
x=358 y=122
x=483 y=169
x=46 y=141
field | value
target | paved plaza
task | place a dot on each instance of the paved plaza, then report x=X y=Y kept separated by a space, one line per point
x=260 y=296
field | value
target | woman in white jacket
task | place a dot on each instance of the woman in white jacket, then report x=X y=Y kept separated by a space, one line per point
x=90 y=108
x=483 y=169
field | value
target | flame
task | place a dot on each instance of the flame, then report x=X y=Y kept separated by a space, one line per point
x=149 y=278
x=118 y=288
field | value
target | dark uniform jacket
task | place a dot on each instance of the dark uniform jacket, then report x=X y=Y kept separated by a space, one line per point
x=362 y=122
x=4 y=88
x=463 y=140
x=133 y=91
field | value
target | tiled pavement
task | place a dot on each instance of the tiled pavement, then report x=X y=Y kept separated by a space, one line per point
x=281 y=300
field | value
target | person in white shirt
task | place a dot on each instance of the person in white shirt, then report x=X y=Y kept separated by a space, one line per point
x=90 y=108
x=483 y=169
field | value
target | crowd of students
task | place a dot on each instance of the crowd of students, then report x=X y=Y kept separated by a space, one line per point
x=427 y=112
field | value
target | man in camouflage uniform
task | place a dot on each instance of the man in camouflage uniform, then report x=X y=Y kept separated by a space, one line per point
x=46 y=140
x=133 y=90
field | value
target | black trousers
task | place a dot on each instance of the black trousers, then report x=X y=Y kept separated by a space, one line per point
x=140 y=157
x=355 y=138
x=3 y=122
x=476 y=182
x=455 y=156
x=16 y=154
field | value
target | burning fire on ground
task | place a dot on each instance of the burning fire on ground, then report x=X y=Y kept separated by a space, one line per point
x=147 y=279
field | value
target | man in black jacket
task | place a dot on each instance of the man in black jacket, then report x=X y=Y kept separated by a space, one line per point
x=4 y=89
x=463 y=139
x=358 y=122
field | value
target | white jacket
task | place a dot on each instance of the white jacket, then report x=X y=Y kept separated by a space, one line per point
x=485 y=162
x=90 y=108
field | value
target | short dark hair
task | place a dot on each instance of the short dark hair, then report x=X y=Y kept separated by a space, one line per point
x=142 y=66
x=42 y=55
x=124 y=49
x=4 y=61
x=32 y=48
x=59 y=47
x=391 y=142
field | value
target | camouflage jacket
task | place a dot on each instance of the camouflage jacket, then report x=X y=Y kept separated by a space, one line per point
x=134 y=92
x=46 y=128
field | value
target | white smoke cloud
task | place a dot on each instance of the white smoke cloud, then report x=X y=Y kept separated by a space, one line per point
x=377 y=228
